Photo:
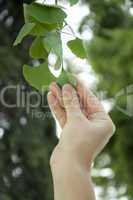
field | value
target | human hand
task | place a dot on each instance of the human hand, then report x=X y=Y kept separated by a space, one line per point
x=86 y=127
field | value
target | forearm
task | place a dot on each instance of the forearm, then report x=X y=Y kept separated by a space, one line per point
x=72 y=181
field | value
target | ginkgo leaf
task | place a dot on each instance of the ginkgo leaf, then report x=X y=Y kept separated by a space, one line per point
x=66 y=77
x=37 y=50
x=77 y=47
x=46 y=14
x=72 y=2
x=40 y=27
x=25 y=30
x=51 y=27
x=38 y=77
x=52 y=42
x=39 y=30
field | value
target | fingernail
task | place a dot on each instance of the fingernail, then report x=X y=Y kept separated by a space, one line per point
x=51 y=98
x=67 y=87
x=52 y=84
x=67 y=91
x=49 y=94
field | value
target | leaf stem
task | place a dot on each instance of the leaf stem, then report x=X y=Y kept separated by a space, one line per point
x=71 y=29
x=64 y=32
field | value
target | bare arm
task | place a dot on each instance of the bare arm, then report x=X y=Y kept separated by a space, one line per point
x=86 y=129
x=72 y=181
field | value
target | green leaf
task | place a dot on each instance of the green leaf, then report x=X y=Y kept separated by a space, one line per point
x=39 y=26
x=51 y=27
x=37 y=50
x=77 y=47
x=67 y=77
x=72 y=2
x=25 y=30
x=42 y=28
x=38 y=77
x=46 y=14
x=39 y=30
x=53 y=43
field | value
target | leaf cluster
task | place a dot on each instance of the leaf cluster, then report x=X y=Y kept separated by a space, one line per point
x=45 y=23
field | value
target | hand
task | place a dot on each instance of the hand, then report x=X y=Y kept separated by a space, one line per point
x=86 y=127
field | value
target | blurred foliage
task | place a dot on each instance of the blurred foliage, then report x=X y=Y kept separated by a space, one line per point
x=28 y=140
x=110 y=52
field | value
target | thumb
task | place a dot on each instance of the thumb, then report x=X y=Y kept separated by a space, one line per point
x=71 y=101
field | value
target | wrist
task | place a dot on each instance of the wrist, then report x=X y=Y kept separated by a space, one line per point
x=68 y=170
x=62 y=161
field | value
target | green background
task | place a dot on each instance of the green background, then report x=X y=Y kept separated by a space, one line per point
x=26 y=147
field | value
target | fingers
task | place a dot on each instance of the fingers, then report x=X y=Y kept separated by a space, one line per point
x=56 y=91
x=90 y=102
x=57 y=109
x=71 y=101
x=65 y=103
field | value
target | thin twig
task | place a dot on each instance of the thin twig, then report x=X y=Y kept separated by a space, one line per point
x=59 y=31
x=70 y=28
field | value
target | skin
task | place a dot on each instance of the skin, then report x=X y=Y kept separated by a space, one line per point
x=86 y=129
